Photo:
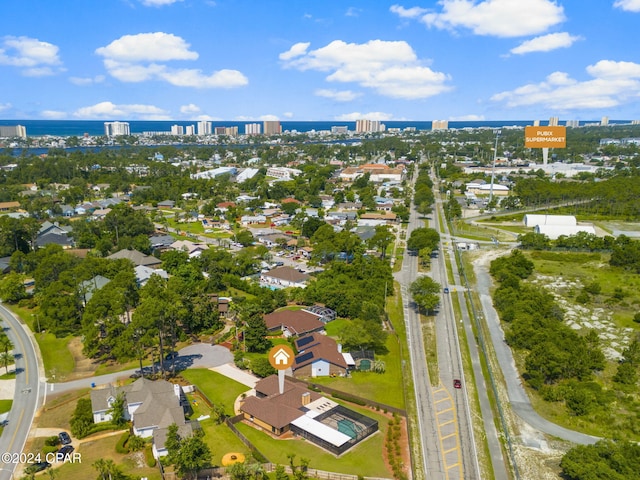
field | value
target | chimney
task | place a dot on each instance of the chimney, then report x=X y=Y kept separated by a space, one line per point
x=306 y=398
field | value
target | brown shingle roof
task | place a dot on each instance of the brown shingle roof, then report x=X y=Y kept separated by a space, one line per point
x=297 y=322
x=287 y=273
x=275 y=409
x=322 y=348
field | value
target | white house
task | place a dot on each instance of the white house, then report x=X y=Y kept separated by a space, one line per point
x=152 y=406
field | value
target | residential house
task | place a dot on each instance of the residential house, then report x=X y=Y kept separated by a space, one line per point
x=9 y=206
x=193 y=249
x=307 y=414
x=294 y=322
x=283 y=277
x=161 y=242
x=152 y=406
x=274 y=239
x=143 y=274
x=319 y=356
x=246 y=220
x=166 y=204
x=54 y=233
x=137 y=258
x=89 y=286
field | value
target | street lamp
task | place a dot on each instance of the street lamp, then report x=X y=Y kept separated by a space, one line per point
x=493 y=166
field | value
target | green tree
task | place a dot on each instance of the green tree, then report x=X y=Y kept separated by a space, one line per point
x=192 y=456
x=382 y=239
x=12 y=288
x=425 y=292
x=255 y=335
x=262 y=367
x=117 y=410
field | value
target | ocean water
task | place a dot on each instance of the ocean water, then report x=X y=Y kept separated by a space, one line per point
x=64 y=128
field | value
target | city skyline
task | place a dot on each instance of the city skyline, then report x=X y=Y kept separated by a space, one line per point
x=456 y=60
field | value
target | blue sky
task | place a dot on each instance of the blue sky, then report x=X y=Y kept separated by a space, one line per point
x=337 y=60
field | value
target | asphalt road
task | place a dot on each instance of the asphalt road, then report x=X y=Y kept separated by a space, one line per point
x=518 y=398
x=29 y=381
x=490 y=432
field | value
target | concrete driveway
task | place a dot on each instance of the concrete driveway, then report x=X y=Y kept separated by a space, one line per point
x=202 y=355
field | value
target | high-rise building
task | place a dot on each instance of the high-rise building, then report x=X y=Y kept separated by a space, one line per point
x=177 y=130
x=338 y=129
x=13 y=131
x=190 y=130
x=572 y=123
x=604 y=122
x=252 y=129
x=204 y=128
x=272 y=127
x=112 y=129
x=554 y=122
x=369 y=126
x=439 y=124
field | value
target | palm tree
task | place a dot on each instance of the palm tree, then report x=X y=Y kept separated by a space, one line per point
x=6 y=359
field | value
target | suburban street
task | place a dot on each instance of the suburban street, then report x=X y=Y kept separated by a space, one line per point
x=29 y=382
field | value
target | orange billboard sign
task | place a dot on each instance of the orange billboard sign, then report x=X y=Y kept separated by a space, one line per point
x=545 y=137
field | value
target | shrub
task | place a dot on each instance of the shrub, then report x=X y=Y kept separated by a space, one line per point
x=348 y=398
x=121 y=445
x=82 y=419
x=148 y=455
x=52 y=441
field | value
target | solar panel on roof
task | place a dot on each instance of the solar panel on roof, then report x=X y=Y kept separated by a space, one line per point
x=304 y=357
x=304 y=341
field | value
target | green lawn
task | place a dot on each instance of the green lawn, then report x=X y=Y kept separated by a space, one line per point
x=57 y=359
x=8 y=376
x=385 y=387
x=5 y=405
x=364 y=459
x=105 y=448
x=218 y=388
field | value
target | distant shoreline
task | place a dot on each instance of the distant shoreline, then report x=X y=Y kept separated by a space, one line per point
x=66 y=128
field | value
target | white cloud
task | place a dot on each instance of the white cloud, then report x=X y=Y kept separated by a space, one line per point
x=158 y=3
x=546 y=43
x=389 y=68
x=296 y=50
x=86 y=81
x=498 y=18
x=412 y=12
x=190 y=109
x=34 y=57
x=353 y=116
x=337 y=95
x=141 y=57
x=613 y=83
x=5 y=106
x=467 y=118
x=353 y=12
x=287 y=114
x=109 y=110
x=628 y=5
x=148 y=47
x=268 y=117
x=54 y=114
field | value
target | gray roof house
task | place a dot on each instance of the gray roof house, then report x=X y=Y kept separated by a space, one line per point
x=138 y=258
x=152 y=406
x=89 y=286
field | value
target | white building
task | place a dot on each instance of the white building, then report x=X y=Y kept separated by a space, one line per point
x=13 y=131
x=111 y=129
x=283 y=173
x=533 y=220
x=556 y=231
x=252 y=129
x=177 y=130
x=204 y=128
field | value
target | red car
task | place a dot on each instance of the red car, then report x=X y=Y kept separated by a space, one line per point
x=457 y=383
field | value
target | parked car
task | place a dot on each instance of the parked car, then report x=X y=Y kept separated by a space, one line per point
x=64 y=437
x=446 y=290
x=65 y=450
x=36 y=467
x=457 y=383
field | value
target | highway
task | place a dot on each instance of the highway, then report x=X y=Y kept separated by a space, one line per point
x=26 y=400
